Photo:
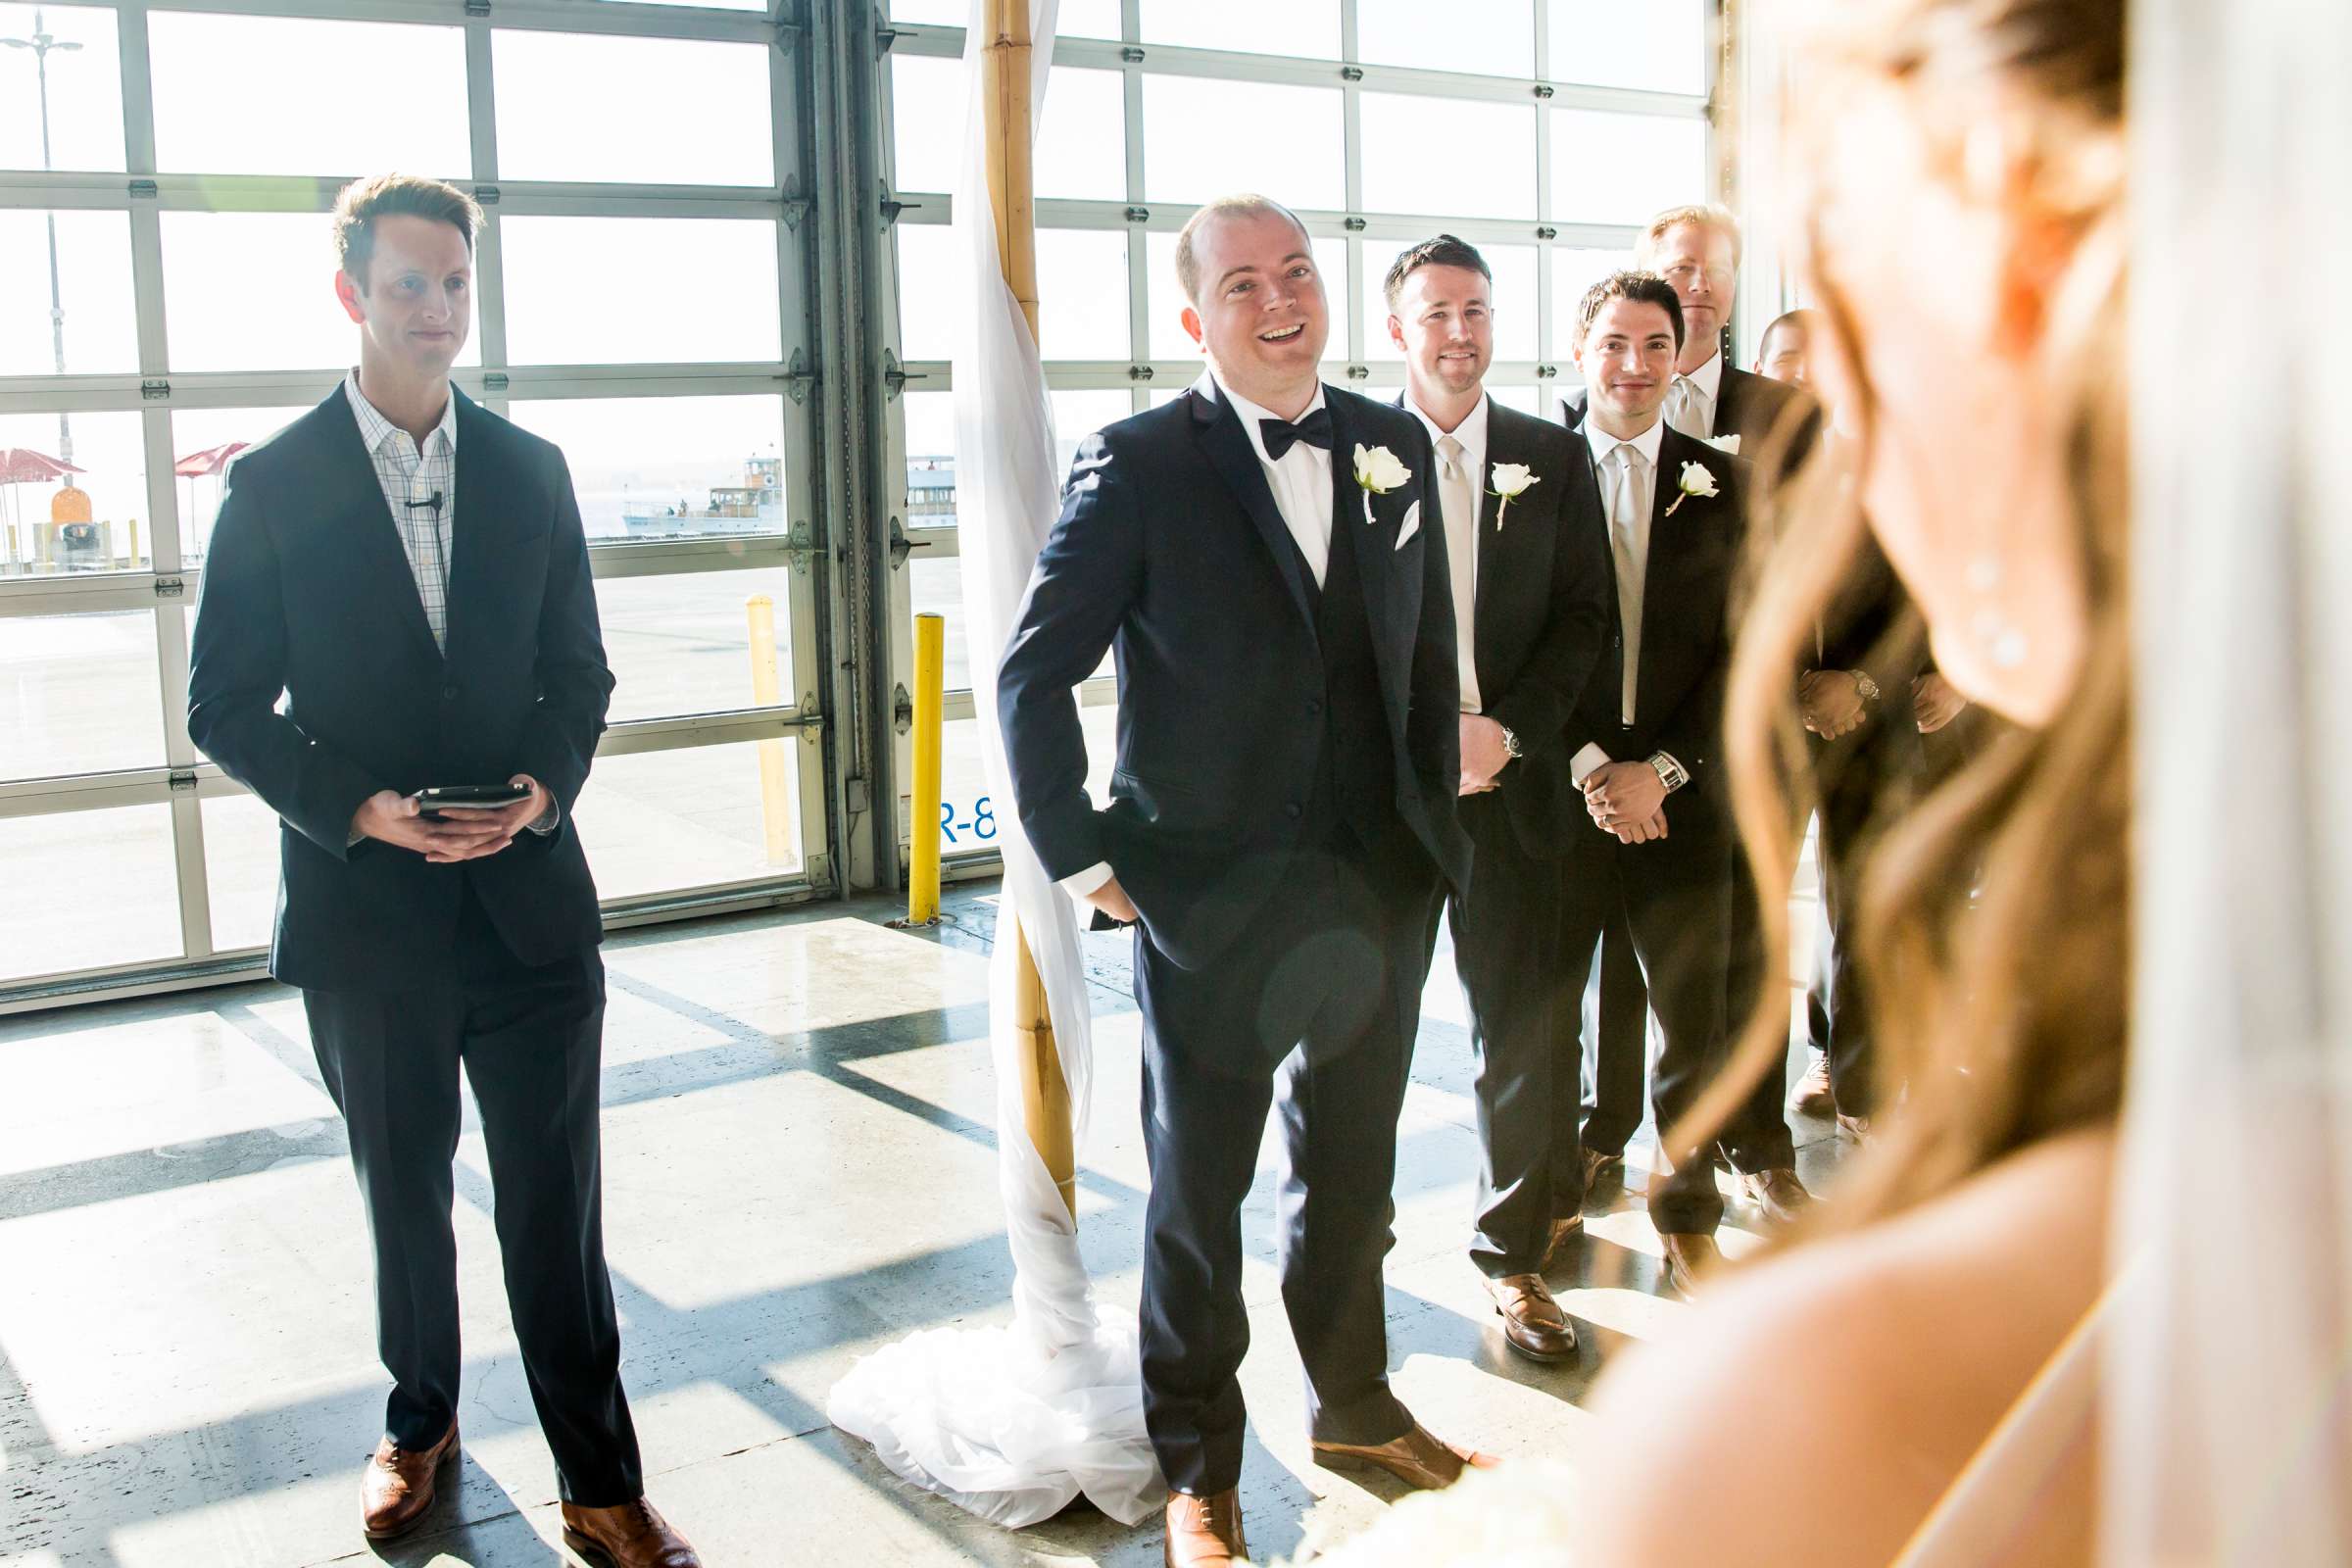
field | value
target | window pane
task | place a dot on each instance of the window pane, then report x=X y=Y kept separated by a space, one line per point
x=1525 y=399
x=240 y=870
x=927 y=107
x=1484 y=37
x=661 y=821
x=81 y=695
x=1658 y=44
x=203 y=440
x=207 y=120
x=99 y=334
x=1573 y=273
x=255 y=291
x=1248 y=27
x=1082 y=294
x=683 y=644
x=1204 y=139
x=929 y=312
x=569 y=108
x=1079 y=19
x=1414 y=161
x=89 y=890
x=712 y=290
x=1080 y=137
x=1619 y=168
x=86 y=89
x=1170 y=341
x=1514 y=301
x=968 y=813
x=94 y=519
x=670 y=468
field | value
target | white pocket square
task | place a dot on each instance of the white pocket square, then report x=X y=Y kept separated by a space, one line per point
x=1411 y=526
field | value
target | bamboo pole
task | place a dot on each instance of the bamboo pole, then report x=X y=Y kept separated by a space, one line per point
x=1045 y=1094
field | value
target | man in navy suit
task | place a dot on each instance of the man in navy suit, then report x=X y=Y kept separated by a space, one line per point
x=1532 y=593
x=1265 y=558
x=397 y=597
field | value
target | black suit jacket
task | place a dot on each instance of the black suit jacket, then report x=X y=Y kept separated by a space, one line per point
x=1686 y=633
x=307 y=593
x=1170 y=551
x=1546 y=592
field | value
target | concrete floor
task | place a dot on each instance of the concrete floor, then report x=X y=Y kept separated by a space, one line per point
x=799 y=1169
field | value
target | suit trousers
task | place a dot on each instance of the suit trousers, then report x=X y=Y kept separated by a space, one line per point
x=530 y=1041
x=1311 y=1011
x=1505 y=941
x=1620 y=1031
x=1674 y=897
x=1756 y=1136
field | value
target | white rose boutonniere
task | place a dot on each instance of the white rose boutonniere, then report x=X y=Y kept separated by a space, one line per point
x=1510 y=482
x=1696 y=481
x=1728 y=445
x=1378 y=470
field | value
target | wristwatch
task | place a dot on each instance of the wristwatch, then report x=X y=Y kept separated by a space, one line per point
x=1868 y=688
x=1510 y=743
x=1671 y=773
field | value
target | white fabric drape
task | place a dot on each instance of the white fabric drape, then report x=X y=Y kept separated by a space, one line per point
x=2228 y=1417
x=1012 y=1423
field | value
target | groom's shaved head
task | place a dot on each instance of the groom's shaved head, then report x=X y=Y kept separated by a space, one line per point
x=1188 y=260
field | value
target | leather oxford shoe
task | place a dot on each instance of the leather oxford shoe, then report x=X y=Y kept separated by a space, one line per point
x=400 y=1484
x=1812 y=1096
x=1564 y=1231
x=1601 y=1167
x=630 y=1536
x=1204 y=1531
x=1417 y=1459
x=1533 y=1323
x=1688 y=1258
x=1778 y=1192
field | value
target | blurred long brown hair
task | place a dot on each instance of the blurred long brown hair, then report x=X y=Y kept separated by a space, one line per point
x=2002 y=1023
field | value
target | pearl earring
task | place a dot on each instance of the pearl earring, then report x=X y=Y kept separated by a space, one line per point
x=2003 y=640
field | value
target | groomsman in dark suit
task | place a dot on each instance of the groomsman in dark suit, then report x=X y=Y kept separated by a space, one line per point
x=397 y=597
x=1531 y=590
x=1643 y=738
x=1266 y=559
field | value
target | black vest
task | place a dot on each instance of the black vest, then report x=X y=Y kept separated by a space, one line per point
x=1351 y=805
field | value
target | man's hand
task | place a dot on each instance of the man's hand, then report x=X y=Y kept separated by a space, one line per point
x=1113 y=900
x=1935 y=702
x=1483 y=755
x=1625 y=797
x=459 y=836
x=1831 y=702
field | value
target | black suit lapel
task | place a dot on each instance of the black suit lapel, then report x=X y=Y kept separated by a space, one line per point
x=367 y=517
x=1668 y=553
x=1731 y=403
x=1496 y=557
x=483 y=483
x=1219 y=429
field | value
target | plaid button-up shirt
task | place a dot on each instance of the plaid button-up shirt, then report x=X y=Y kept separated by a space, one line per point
x=412 y=479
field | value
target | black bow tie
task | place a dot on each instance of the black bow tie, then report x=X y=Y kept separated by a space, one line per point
x=1280 y=435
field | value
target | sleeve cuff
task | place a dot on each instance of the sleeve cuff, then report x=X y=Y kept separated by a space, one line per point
x=547 y=819
x=1079 y=884
x=1587 y=761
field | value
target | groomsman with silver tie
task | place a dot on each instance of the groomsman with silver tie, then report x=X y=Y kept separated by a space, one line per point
x=1531 y=609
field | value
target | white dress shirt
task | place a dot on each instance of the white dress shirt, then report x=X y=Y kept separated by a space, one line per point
x=1302 y=486
x=1691 y=400
x=1628 y=550
x=1462 y=535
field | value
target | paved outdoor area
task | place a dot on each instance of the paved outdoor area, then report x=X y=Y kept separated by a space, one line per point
x=799 y=1168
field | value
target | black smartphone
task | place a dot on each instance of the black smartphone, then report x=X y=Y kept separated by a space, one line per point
x=434 y=802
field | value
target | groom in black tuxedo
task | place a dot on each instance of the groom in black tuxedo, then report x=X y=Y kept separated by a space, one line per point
x=397 y=597
x=1645 y=737
x=1264 y=556
x=1531 y=604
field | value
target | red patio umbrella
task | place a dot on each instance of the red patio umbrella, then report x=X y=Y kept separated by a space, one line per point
x=210 y=463
x=23 y=465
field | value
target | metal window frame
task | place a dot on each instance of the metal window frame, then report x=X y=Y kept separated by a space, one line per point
x=167 y=587
x=1550 y=372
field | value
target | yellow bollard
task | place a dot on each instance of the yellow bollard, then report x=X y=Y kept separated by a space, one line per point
x=132 y=559
x=775 y=782
x=923 y=828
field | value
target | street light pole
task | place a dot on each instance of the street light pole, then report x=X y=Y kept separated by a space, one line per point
x=40 y=43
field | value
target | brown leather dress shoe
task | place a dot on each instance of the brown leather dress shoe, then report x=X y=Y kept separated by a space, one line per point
x=1688 y=1258
x=1417 y=1459
x=1778 y=1192
x=1601 y=1167
x=630 y=1536
x=400 y=1484
x=1533 y=1323
x=1855 y=1127
x=1563 y=1232
x=1204 y=1531
x=1812 y=1096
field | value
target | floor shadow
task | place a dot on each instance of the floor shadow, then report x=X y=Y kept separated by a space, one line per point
x=495 y=1534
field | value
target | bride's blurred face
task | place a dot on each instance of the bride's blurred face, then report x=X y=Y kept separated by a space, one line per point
x=1964 y=475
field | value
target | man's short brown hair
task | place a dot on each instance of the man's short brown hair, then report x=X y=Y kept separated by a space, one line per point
x=1644 y=288
x=361 y=202
x=1246 y=205
x=1706 y=214
x=1439 y=250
